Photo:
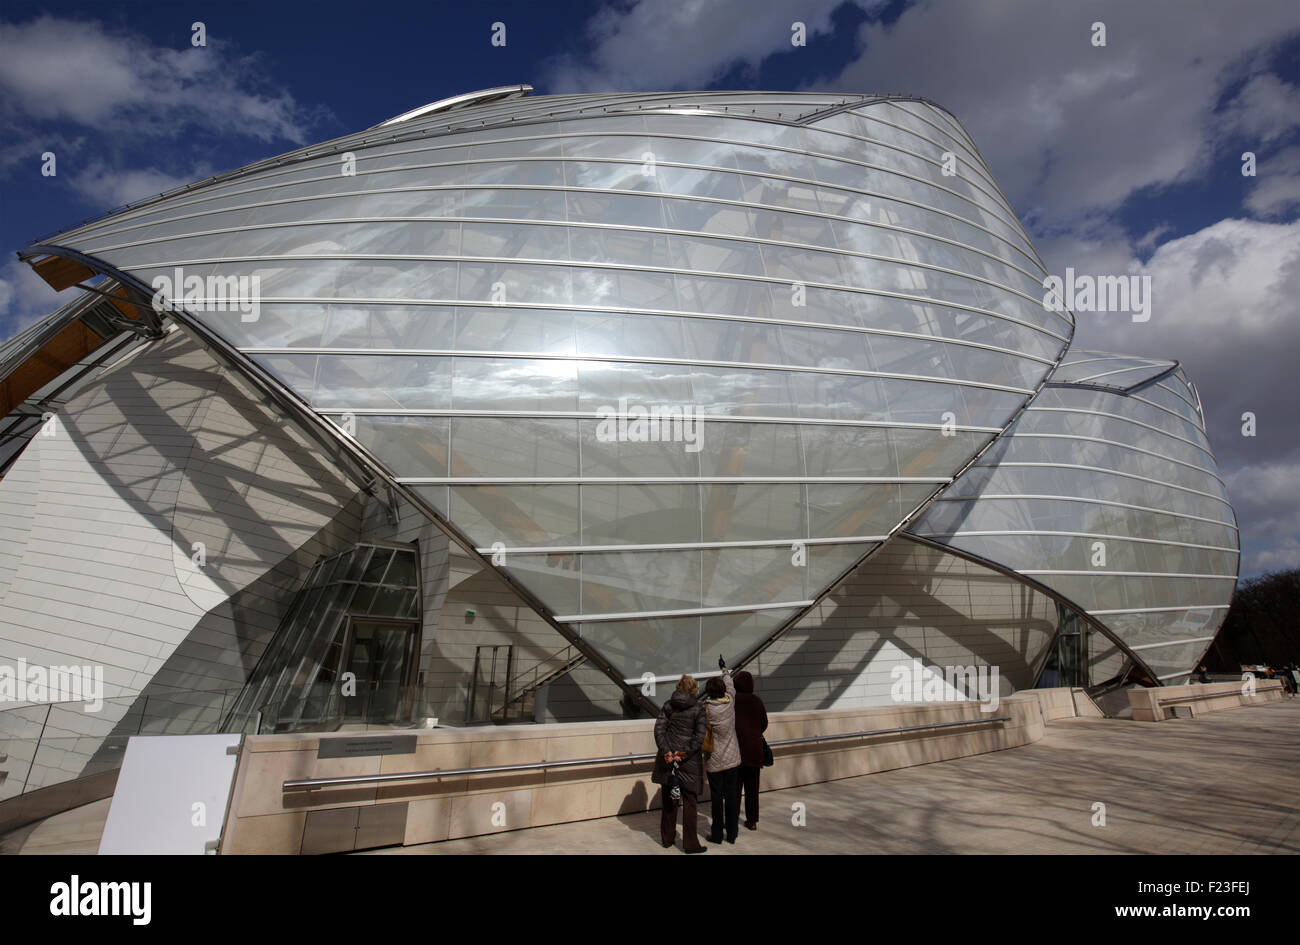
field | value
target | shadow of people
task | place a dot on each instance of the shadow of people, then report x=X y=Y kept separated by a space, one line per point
x=640 y=812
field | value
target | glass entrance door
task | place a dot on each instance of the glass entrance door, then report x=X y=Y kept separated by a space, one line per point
x=382 y=656
x=487 y=686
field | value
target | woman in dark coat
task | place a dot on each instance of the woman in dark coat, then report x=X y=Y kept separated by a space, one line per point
x=751 y=723
x=679 y=733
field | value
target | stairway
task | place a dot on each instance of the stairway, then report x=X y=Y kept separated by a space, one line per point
x=521 y=691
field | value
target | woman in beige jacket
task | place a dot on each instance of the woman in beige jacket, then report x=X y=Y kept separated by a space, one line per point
x=723 y=766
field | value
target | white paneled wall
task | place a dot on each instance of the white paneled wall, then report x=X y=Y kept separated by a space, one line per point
x=99 y=525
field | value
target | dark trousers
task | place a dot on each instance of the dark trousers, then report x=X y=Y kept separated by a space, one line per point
x=749 y=785
x=724 y=788
x=668 y=820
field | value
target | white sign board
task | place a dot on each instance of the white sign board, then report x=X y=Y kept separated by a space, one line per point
x=171 y=794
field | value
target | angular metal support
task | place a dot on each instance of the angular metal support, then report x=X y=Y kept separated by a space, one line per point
x=393 y=507
x=150 y=323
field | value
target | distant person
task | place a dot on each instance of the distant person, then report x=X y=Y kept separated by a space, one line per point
x=679 y=733
x=751 y=723
x=1288 y=675
x=723 y=766
x=1203 y=674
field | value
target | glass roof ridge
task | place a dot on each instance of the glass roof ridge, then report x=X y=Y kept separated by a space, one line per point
x=531 y=108
x=463 y=101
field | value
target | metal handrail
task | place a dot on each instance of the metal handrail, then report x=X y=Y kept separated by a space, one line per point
x=1219 y=695
x=311 y=783
x=125 y=697
x=886 y=731
x=40 y=742
x=561 y=662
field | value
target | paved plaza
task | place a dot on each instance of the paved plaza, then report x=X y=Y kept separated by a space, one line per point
x=1223 y=783
x=1228 y=782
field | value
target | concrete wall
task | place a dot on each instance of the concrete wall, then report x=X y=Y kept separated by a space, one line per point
x=1085 y=707
x=1065 y=703
x=262 y=818
x=1153 y=705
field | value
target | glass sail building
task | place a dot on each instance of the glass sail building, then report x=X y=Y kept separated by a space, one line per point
x=511 y=404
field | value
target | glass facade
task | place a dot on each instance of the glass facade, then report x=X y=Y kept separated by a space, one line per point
x=677 y=362
x=357 y=613
x=1105 y=490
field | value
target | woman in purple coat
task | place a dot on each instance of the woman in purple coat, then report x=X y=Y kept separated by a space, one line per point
x=751 y=723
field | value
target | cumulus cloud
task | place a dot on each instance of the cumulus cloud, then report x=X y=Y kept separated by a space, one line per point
x=1153 y=236
x=1070 y=128
x=110 y=187
x=682 y=44
x=1223 y=305
x=1233 y=281
x=24 y=297
x=95 y=77
x=1276 y=189
x=1264 y=498
x=1265 y=109
x=107 y=103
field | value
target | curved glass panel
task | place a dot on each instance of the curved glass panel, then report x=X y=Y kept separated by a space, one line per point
x=645 y=345
x=1113 y=500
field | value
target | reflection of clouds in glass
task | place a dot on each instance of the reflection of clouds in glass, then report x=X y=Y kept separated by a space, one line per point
x=570 y=307
x=483 y=383
x=594 y=287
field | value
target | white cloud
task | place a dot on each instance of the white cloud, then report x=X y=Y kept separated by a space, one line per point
x=1283 y=556
x=1224 y=306
x=1233 y=282
x=1153 y=236
x=96 y=77
x=109 y=187
x=1071 y=129
x=682 y=44
x=1095 y=245
x=24 y=297
x=1264 y=496
x=1265 y=109
x=1276 y=189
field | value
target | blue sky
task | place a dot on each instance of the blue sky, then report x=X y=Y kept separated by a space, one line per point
x=1122 y=158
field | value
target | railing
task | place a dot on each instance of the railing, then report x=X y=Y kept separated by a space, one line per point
x=1220 y=695
x=530 y=680
x=47 y=743
x=327 y=709
x=52 y=742
x=313 y=783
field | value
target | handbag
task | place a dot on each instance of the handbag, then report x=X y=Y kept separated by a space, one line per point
x=707 y=745
x=768 y=759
